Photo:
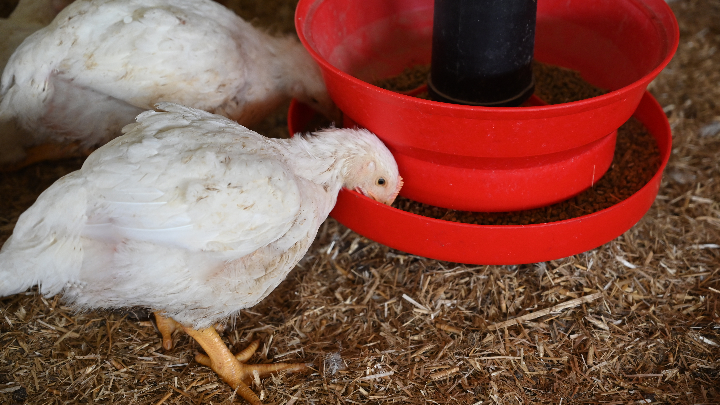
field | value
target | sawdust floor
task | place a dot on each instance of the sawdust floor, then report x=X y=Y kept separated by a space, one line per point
x=383 y=327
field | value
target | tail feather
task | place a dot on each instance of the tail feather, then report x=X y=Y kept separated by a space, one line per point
x=15 y=277
x=45 y=247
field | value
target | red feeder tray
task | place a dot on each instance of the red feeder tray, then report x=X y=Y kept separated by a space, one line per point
x=500 y=158
x=498 y=244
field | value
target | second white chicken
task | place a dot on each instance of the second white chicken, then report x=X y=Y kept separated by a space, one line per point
x=74 y=84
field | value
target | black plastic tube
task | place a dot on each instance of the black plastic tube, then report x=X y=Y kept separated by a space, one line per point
x=482 y=52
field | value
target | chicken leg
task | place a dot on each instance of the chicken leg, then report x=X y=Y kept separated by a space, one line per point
x=166 y=327
x=232 y=369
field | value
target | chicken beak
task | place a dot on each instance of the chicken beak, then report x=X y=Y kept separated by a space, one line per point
x=368 y=194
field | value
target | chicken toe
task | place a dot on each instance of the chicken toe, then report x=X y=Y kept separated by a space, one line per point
x=245 y=354
x=231 y=368
x=166 y=327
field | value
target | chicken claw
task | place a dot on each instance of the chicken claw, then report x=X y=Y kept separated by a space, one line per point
x=231 y=368
x=166 y=327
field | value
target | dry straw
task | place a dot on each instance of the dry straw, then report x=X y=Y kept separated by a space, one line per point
x=634 y=321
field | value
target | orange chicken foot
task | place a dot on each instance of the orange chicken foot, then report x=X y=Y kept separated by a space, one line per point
x=231 y=368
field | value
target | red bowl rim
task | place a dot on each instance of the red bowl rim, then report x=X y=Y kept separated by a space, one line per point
x=306 y=7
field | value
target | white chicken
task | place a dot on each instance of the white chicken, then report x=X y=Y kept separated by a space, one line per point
x=27 y=17
x=193 y=216
x=74 y=84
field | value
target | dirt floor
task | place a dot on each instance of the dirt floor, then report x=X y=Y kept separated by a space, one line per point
x=640 y=324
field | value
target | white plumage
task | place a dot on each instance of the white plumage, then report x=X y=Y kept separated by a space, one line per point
x=27 y=17
x=189 y=214
x=102 y=62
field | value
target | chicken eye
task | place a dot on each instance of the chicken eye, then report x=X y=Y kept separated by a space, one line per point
x=381 y=181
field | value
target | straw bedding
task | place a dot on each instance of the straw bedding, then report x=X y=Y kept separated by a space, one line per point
x=634 y=321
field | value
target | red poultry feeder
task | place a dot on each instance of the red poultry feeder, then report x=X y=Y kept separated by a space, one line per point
x=491 y=158
x=498 y=244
